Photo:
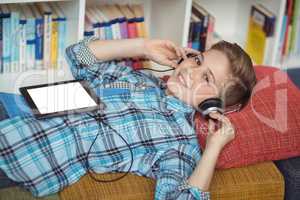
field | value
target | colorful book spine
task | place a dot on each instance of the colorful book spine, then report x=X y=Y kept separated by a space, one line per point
x=138 y=12
x=140 y=26
x=62 y=34
x=14 y=37
x=39 y=32
x=295 y=34
x=54 y=41
x=298 y=33
x=116 y=28
x=30 y=37
x=109 y=16
x=101 y=30
x=269 y=18
x=210 y=32
x=109 y=35
x=289 y=8
x=22 y=52
x=47 y=39
x=62 y=41
x=197 y=30
x=1 y=42
x=122 y=21
x=88 y=29
x=123 y=27
x=30 y=40
x=281 y=41
x=46 y=11
x=131 y=27
x=6 y=55
x=39 y=42
x=108 y=31
x=189 y=45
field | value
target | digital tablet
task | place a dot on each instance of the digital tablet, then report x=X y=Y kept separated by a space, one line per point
x=60 y=98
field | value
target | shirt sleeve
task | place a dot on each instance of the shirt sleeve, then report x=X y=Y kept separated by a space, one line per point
x=174 y=167
x=85 y=66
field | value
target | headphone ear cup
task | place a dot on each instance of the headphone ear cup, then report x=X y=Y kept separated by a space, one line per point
x=211 y=105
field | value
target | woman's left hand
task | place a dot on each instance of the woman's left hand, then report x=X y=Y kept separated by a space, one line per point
x=225 y=134
x=165 y=52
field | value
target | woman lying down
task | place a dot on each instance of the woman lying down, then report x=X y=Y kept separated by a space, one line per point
x=148 y=130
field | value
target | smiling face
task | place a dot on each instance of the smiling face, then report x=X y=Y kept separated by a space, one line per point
x=199 y=78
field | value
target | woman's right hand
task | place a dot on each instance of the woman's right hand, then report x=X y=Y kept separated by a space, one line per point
x=165 y=52
x=220 y=137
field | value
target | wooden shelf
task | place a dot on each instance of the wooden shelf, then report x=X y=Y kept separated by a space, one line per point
x=27 y=1
x=11 y=82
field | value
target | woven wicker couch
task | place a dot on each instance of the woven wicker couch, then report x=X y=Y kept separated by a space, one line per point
x=261 y=181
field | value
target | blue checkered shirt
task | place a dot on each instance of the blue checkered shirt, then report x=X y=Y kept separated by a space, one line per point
x=45 y=156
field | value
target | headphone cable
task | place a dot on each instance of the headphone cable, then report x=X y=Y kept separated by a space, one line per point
x=97 y=118
x=157 y=70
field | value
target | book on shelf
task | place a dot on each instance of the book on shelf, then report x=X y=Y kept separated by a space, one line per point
x=61 y=35
x=201 y=31
x=32 y=36
x=297 y=27
x=39 y=26
x=5 y=56
x=139 y=19
x=260 y=36
x=22 y=34
x=202 y=14
x=289 y=43
x=110 y=22
x=47 y=17
x=121 y=20
x=6 y=34
x=15 y=36
x=196 y=24
x=54 y=40
x=131 y=21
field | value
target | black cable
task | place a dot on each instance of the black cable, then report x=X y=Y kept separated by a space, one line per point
x=97 y=118
x=157 y=70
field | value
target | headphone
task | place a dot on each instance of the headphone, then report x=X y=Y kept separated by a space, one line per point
x=210 y=105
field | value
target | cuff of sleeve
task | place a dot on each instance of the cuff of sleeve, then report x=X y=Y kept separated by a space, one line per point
x=83 y=53
x=196 y=192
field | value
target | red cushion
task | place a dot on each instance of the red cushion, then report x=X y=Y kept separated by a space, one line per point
x=264 y=131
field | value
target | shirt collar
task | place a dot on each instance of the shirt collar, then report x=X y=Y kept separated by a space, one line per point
x=173 y=103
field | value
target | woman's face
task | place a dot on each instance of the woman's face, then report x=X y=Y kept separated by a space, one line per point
x=198 y=78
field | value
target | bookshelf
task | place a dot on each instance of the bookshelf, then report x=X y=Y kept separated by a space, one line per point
x=232 y=24
x=74 y=11
x=165 y=19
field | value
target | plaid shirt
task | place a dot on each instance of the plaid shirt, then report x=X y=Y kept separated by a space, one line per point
x=45 y=156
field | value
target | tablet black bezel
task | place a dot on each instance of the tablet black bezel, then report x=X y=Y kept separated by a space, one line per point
x=37 y=114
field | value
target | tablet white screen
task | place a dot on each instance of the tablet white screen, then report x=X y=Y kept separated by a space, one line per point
x=62 y=97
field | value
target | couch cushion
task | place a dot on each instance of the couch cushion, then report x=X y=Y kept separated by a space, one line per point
x=18 y=193
x=262 y=181
x=128 y=188
x=290 y=169
x=268 y=128
x=5 y=181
